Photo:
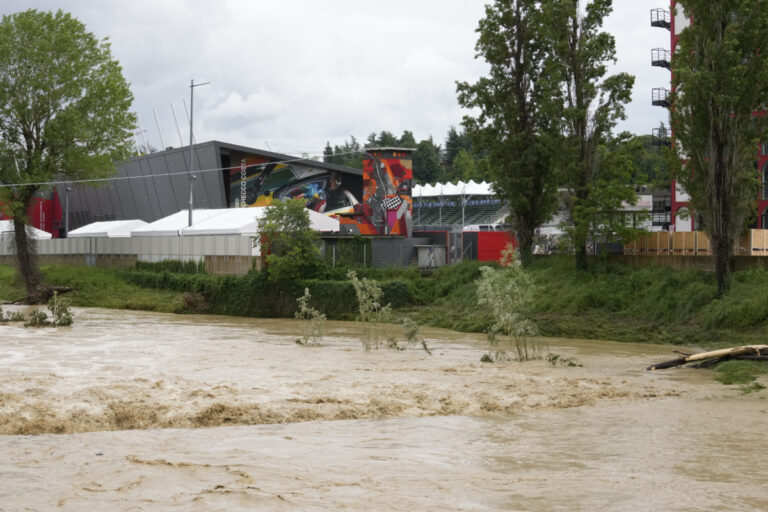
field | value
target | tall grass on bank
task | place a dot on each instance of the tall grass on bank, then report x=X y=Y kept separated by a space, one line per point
x=611 y=301
x=96 y=287
x=657 y=304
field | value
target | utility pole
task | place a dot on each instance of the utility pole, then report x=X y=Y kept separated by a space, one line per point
x=67 y=190
x=192 y=176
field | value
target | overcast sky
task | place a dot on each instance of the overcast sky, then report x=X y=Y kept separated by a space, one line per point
x=291 y=75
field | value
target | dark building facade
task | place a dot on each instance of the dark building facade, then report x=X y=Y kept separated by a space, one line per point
x=375 y=200
x=154 y=186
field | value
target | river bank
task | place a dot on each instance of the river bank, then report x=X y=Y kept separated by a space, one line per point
x=611 y=301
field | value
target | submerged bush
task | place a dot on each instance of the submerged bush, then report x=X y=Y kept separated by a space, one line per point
x=59 y=307
x=37 y=318
x=14 y=316
x=314 y=321
x=370 y=308
x=507 y=292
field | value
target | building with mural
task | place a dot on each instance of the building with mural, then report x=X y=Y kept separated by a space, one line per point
x=375 y=200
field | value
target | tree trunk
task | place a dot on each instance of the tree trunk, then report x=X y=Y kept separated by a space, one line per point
x=581 y=258
x=722 y=265
x=26 y=256
x=525 y=241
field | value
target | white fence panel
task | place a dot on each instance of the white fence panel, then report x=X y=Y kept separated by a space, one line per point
x=154 y=248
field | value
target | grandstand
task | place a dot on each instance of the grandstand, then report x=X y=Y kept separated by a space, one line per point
x=457 y=205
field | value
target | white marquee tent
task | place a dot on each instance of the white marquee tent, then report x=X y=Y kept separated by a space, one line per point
x=461 y=188
x=224 y=221
x=174 y=224
x=6 y=231
x=108 y=229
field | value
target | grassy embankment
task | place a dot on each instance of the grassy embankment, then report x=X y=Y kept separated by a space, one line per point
x=614 y=302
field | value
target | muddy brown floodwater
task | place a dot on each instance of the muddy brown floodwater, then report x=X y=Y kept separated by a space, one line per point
x=107 y=415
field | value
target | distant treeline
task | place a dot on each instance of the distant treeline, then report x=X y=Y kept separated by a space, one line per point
x=457 y=159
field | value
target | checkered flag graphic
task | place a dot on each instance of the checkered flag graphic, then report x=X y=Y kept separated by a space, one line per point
x=392 y=203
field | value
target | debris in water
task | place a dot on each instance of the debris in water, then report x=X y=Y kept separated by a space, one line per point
x=752 y=352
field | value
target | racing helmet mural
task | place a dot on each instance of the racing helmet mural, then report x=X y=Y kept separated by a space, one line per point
x=376 y=203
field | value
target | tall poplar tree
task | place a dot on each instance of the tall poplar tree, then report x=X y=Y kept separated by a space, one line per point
x=64 y=113
x=720 y=78
x=518 y=120
x=592 y=105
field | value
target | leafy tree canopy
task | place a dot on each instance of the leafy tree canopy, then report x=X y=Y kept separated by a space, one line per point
x=591 y=104
x=720 y=79
x=518 y=121
x=288 y=241
x=64 y=111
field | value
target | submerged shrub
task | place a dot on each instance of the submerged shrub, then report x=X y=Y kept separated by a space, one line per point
x=371 y=309
x=412 y=332
x=14 y=316
x=314 y=321
x=507 y=292
x=59 y=308
x=37 y=318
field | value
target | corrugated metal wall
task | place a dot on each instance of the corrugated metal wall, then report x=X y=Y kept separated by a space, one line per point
x=150 y=199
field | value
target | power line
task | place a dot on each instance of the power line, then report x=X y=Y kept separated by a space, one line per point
x=152 y=176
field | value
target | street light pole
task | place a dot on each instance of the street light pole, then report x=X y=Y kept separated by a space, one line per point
x=67 y=190
x=192 y=176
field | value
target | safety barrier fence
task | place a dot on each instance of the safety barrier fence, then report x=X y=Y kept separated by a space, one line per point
x=694 y=243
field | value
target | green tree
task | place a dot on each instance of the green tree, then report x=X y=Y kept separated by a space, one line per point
x=64 y=113
x=288 y=241
x=518 y=121
x=383 y=140
x=407 y=140
x=427 y=167
x=592 y=104
x=464 y=167
x=651 y=166
x=455 y=141
x=348 y=154
x=720 y=78
x=328 y=154
x=601 y=215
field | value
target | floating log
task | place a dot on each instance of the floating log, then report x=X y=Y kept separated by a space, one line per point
x=43 y=295
x=757 y=350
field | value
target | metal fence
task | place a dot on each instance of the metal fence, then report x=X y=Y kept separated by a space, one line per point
x=222 y=254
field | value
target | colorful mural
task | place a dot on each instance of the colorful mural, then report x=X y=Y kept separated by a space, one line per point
x=378 y=203
x=387 y=207
x=257 y=183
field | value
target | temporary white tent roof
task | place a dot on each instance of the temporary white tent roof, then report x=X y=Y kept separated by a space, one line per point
x=224 y=221
x=244 y=221
x=174 y=224
x=461 y=188
x=6 y=231
x=108 y=229
x=321 y=222
x=231 y=221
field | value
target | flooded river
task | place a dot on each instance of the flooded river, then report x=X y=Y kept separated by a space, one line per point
x=141 y=411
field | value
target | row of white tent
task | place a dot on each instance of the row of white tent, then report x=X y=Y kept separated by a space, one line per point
x=6 y=231
x=461 y=188
x=224 y=221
